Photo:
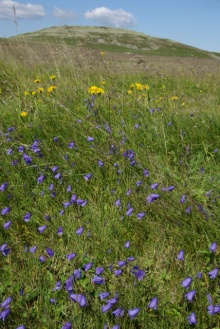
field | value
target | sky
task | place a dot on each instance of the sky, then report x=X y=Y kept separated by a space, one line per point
x=192 y=22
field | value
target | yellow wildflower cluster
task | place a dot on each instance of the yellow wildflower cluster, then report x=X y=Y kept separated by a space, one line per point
x=41 y=90
x=138 y=87
x=94 y=90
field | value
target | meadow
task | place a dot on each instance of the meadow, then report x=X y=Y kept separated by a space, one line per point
x=109 y=189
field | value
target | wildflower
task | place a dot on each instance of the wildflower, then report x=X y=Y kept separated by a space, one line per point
x=71 y=256
x=153 y=303
x=117 y=326
x=60 y=230
x=118 y=203
x=4 y=314
x=58 y=175
x=21 y=327
x=169 y=188
x=118 y=313
x=55 y=168
x=213 y=309
x=33 y=249
x=174 y=98
x=98 y=279
x=192 y=318
x=50 y=252
x=42 y=259
x=183 y=198
x=213 y=274
x=190 y=295
x=41 y=90
x=104 y=295
x=34 y=93
x=139 y=274
x=94 y=90
x=122 y=263
x=189 y=209
x=26 y=93
x=134 y=312
x=52 y=77
x=80 y=299
x=127 y=244
x=90 y=139
x=7 y=225
x=41 y=179
x=41 y=229
x=88 y=177
x=181 y=255
x=27 y=217
x=6 y=211
x=24 y=114
x=27 y=159
x=118 y=272
x=130 y=211
x=80 y=231
x=51 y=89
x=37 y=80
x=99 y=270
x=58 y=286
x=3 y=187
x=88 y=266
x=71 y=145
x=141 y=215
x=152 y=197
x=154 y=186
x=67 y=325
x=106 y=308
x=213 y=247
x=6 y=302
x=131 y=259
x=69 y=283
x=186 y=282
x=78 y=274
x=4 y=249
x=199 y=275
x=100 y=163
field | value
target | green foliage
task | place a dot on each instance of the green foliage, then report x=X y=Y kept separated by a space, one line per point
x=173 y=129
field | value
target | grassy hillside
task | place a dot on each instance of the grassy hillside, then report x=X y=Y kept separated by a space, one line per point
x=109 y=189
x=115 y=40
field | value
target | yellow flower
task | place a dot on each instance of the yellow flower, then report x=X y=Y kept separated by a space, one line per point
x=26 y=93
x=132 y=86
x=201 y=91
x=41 y=90
x=37 y=80
x=94 y=90
x=52 y=77
x=174 y=98
x=51 y=89
x=102 y=53
x=183 y=104
x=34 y=93
x=24 y=114
x=130 y=92
x=103 y=82
x=146 y=87
x=139 y=86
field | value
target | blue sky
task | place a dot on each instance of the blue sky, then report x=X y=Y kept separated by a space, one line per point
x=193 y=22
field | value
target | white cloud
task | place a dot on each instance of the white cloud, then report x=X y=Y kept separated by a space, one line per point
x=117 y=17
x=22 y=11
x=64 y=14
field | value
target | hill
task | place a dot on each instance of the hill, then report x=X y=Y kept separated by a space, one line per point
x=115 y=40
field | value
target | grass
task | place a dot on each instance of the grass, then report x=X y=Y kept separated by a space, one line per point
x=128 y=140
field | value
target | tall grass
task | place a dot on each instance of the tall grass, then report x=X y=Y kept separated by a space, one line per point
x=137 y=180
